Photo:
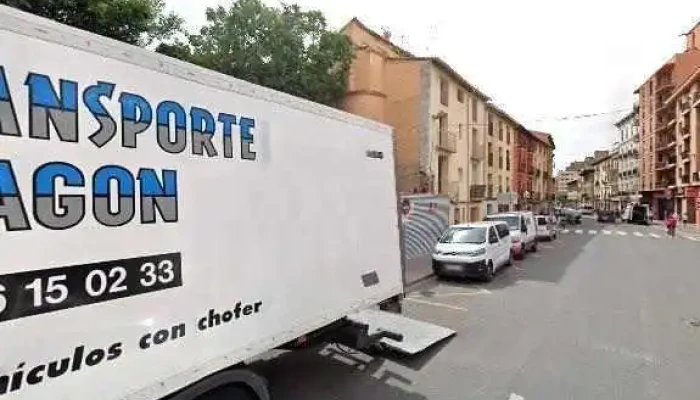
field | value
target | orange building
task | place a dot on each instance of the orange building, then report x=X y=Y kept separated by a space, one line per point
x=439 y=119
x=663 y=167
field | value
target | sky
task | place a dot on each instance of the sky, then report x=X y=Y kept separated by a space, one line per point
x=540 y=60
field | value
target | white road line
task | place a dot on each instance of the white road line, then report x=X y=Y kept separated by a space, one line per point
x=579 y=231
x=514 y=396
x=430 y=303
x=638 y=234
x=654 y=235
x=690 y=238
x=607 y=232
x=592 y=232
x=622 y=233
x=564 y=231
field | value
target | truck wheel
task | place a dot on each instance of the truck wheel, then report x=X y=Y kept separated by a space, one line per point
x=229 y=393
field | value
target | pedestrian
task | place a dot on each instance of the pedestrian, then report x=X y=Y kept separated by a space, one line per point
x=671 y=221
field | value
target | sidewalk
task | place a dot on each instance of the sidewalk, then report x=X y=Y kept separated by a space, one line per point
x=683 y=228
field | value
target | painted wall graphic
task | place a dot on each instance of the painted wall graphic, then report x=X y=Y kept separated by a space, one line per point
x=426 y=219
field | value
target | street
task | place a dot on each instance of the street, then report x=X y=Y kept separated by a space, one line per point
x=603 y=312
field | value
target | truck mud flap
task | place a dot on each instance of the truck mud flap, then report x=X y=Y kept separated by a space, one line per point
x=417 y=335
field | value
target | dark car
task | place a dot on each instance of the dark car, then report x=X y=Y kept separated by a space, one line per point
x=607 y=216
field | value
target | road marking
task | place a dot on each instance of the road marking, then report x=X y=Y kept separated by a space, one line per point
x=638 y=234
x=565 y=231
x=592 y=232
x=654 y=235
x=478 y=292
x=622 y=233
x=430 y=303
x=690 y=238
x=514 y=396
x=579 y=231
x=607 y=232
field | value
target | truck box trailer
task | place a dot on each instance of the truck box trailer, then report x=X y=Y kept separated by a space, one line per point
x=161 y=223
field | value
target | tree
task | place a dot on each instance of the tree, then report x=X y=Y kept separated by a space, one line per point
x=284 y=48
x=137 y=22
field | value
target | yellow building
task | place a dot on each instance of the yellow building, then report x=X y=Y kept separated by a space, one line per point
x=500 y=146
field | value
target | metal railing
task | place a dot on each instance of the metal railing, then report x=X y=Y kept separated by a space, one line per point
x=447 y=141
x=477 y=192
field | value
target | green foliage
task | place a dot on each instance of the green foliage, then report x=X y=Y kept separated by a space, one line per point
x=284 y=48
x=136 y=22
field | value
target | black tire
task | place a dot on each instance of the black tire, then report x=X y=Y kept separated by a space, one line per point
x=534 y=247
x=233 y=392
x=488 y=277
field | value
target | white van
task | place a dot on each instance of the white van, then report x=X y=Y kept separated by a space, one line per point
x=522 y=230
x=474 y=250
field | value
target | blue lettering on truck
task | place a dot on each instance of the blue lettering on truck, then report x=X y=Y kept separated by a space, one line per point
x=62 y=193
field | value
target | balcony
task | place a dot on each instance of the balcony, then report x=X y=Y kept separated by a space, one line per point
x=661 y=165
x=685 y=179
x=447 y=142
x=489 y=192
x=695 y=99
x=663 y=86
x=685 y=156
x=530 y=169
x=477 y=192
x=684 y=104
x=477 y=152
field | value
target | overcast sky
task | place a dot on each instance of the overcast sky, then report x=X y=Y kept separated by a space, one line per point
x=540 y=60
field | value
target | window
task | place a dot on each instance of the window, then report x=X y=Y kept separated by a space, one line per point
x=474 y=110
x=493 y=237
x=507 y=160
x=460 y=173
x=507 y=184
x=490 y=124
x=508 y=135
x=444 y=91
x=475 y=137
x=490 y=155
x=500 y=158
x=460 y=95
x=500 y=184
x=460 y=131
x=503 y=230
x=500 y=131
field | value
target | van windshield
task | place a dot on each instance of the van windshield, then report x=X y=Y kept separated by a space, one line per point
x=513 y=221
x=474 y=235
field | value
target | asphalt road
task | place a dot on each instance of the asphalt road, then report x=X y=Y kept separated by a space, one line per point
x=604 y=312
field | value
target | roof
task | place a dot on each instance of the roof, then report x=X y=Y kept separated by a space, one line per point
x=440 y=63
x=505 y=115
x=627 y=117
x=406 y=55
x=478 y=224
x=379 y=37
x=543 y=137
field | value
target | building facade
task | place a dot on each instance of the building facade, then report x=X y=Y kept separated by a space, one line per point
x=439 y=119
x=628 y=158
x=500 y=146
x=543 y=165
x=605 y=182
x=658 y=153
x=682 y=109
x=523 y=168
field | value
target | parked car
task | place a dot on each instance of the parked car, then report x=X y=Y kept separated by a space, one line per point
x=571 y=216
x=473 y=250
x=637 y=214
x=522 y=230
x=587 y=210
x=546 y=227
x=607 y=216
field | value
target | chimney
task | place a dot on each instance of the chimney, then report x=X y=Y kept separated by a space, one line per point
x=692 y=38
x=386 y=33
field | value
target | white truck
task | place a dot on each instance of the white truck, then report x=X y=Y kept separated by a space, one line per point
x=160 y=223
